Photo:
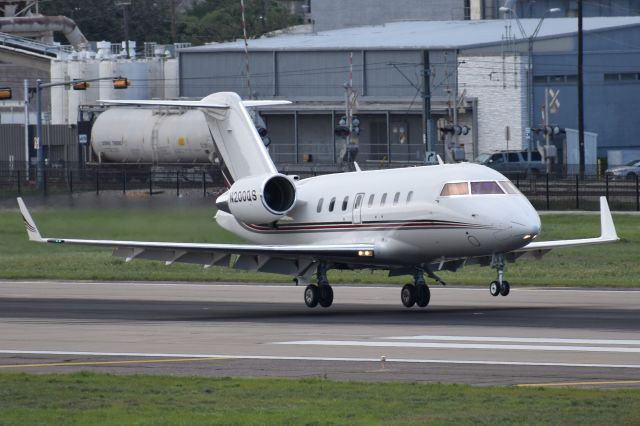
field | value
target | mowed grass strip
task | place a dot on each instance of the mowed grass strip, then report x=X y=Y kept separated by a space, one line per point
x=87 y=398
x=612 y=265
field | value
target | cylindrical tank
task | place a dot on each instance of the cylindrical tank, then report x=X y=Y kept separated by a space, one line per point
x=59 y=99
x=171 y=84
x=137 y=135
x=137 y=74
x=82 y=70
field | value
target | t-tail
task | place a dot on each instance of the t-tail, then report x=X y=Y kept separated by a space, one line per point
x=257 y=192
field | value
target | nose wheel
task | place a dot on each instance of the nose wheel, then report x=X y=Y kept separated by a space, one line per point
x=500 y=287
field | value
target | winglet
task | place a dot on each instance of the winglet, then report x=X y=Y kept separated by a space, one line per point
x=32 y=229
x=607 y=227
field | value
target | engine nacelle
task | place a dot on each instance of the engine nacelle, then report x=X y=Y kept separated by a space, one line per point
x=259 y=199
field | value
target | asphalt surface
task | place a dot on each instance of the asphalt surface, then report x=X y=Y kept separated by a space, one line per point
x=539 y=337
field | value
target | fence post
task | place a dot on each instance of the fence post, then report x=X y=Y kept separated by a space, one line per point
x=577 y=192
x=19 y=187
x=606 y=180
x=637 y=193
x=204 y=185
x=70 y=181
x=44 y=172
x=547 y=191
x=124 y=181
x=150 y=182
x=178 y=183
x=97 y=182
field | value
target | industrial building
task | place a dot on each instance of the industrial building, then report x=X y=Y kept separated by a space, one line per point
x=479 y=77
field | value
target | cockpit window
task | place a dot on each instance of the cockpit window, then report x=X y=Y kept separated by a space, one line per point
x=455 y=188
x=509 y=187
x=486 y=187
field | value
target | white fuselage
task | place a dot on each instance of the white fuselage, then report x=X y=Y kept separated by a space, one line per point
x=404 y=213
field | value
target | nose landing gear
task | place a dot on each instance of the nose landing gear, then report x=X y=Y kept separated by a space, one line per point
x=500 y=287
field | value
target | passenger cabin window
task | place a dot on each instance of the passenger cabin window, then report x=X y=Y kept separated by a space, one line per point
x=383 y=199
x=332 y=203
x=371 y=197
x=487 y=187
x=396 y=199
x=455 y=188
x=319 y=209
x=345 y=202
x=358 y=201
x=409 y=196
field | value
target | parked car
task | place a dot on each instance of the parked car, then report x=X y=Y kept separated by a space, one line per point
x=513 y=162
x=630 y=171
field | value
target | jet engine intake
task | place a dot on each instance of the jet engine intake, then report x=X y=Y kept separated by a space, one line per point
x=259 y=199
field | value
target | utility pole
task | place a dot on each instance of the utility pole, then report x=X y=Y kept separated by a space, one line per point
x=580 y=89
x=426 y=94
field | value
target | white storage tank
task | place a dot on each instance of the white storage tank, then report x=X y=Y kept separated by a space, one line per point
x=139 y=135
x=59 y=98
x=137 y=74
x=82 y=70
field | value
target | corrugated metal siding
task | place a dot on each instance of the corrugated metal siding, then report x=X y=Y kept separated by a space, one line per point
x=202 y=74
x=60 y=142
x=385 y=80
x=321 y=74
x=12 y=142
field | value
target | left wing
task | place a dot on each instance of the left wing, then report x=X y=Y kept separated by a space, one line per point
x=298 y=260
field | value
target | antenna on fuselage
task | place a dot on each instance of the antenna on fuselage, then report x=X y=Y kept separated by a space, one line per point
x=357 y=167
x=440 y=162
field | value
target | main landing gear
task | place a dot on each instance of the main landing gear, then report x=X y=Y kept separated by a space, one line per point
x=500 y=287
x=322 y=292
x=417 y=293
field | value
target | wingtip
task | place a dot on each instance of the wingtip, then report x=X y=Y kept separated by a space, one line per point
x=29 y=224
x=607 y=227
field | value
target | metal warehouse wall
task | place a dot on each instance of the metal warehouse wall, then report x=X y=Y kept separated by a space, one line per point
x=333 y=14
x=321 y=75
x=60 y=141
x=611 y=87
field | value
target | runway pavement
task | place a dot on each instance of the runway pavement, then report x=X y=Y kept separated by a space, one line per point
x=550 y=337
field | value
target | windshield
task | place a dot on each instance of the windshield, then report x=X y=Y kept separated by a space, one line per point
x=633 y=163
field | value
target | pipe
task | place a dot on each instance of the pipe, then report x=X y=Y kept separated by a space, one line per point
x=41 y=24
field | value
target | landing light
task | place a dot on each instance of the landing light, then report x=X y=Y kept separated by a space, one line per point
x=365 y=253
x=526 y=237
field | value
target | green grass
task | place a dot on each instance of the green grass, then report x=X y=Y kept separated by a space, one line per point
x=613 y=265
x=84 y=398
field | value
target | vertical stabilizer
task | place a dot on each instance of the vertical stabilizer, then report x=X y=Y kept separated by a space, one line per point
x=236 y=137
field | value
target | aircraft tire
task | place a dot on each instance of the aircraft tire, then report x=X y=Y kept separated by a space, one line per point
x=494 y=288
x=326 y=295
x=408 y=295
x=311 y=295
x=505 y=288
x=423 y=295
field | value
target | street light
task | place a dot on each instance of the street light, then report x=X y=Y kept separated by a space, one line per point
x=119 y=82
x=530 y=92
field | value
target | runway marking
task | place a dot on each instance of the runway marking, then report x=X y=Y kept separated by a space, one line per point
x=518 y=340
x=364 y=286
x=302 y=358
x=595 y=383
x=99 y=363
x=422 y=345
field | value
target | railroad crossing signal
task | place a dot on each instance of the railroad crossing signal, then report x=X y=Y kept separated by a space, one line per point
x=554 y=102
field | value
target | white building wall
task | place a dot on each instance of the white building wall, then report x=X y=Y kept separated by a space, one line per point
x=500 y=85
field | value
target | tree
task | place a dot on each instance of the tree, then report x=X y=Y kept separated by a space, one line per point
x=220 y=20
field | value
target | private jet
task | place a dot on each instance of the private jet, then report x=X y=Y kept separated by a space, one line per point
x=410 y=221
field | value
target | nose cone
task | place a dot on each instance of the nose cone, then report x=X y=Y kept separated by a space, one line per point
x=519 y=223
